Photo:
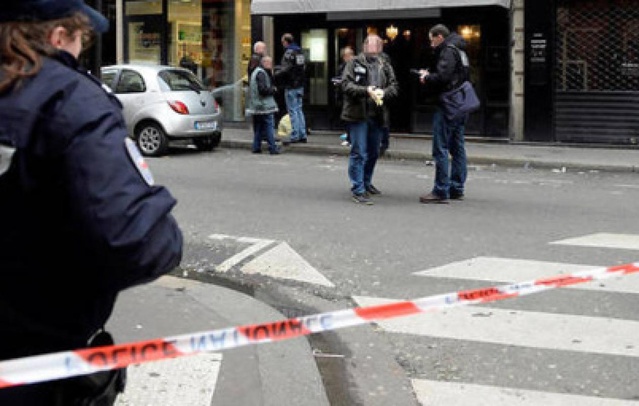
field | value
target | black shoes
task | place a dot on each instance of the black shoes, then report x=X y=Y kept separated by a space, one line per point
x=275 y=152
x=456 y=196
x=432 y=198
x=362 y=199
x=373 y=190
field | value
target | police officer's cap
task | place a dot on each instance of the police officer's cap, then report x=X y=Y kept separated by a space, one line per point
x=44 y=10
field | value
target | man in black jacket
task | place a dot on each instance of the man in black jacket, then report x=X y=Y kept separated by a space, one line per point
x=291 y=76
x=368 y=82
x=448 y=135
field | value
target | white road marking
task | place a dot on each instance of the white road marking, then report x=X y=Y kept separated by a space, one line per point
x=437 y=393
x=285 y=263
x=175 y=382
x=509 y=270
x=604 y=240
x=280 y=261
x=257 y=246
x=514 y=327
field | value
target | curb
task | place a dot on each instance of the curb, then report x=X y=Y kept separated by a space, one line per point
x=473 y=159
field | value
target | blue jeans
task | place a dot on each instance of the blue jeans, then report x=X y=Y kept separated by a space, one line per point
x=294 y=99
x=448 y=138
x=365 y=138
x=263 y=128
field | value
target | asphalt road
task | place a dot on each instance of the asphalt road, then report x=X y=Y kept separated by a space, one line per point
x=395 y=249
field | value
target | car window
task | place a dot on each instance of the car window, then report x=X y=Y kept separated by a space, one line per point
x=107 y=76
x=130 y=82
x=178 y=80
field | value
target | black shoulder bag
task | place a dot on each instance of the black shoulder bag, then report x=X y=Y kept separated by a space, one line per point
x=462 y=100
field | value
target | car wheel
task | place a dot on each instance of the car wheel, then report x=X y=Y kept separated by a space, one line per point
x=204 y=143
x=151 y=140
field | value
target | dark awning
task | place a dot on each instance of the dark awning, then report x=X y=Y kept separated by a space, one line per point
x=274 y=7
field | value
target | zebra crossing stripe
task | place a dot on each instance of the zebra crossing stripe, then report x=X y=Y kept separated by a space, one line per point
x=436 y=393
x=23 y=371
x=604 y=240
x=507 y=270
x=512 y=327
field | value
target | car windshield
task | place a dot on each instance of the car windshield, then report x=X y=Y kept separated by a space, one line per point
x=178 y=80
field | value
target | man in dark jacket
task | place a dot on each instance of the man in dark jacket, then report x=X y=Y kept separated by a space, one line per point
x=291 y=76
x=368 y=82
x=347 y=53
x=448 y=135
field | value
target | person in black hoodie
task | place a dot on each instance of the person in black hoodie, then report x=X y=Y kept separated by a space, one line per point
x=448 y=135
x=291 y=74
x=83 y=219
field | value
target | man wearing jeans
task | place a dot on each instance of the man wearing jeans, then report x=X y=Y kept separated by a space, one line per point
x=368 y=82
x=291 y=76
x=448 y=135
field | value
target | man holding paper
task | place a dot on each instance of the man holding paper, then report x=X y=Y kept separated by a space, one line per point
x=368 y=81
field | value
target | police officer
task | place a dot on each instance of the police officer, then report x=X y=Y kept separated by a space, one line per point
x=81 y=216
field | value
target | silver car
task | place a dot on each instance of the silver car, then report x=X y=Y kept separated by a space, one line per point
x=163 y=104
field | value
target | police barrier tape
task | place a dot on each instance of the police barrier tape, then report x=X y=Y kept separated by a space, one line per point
x=28 y=370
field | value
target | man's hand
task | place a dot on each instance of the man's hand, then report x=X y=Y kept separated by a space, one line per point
x=376 y=94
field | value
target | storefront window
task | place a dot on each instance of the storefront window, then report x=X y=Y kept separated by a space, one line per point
x=144 y=31
x=185 y=35
x=226 y=49
x=472 y=35
x=211 y=38
x=315 y=46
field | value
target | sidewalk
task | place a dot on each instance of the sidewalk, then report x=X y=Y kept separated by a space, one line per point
x=271 y=374
x=479 y=151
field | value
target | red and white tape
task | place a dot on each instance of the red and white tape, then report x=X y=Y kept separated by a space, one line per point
x=66 y=364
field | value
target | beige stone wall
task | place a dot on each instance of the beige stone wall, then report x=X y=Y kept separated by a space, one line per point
x=516 y=122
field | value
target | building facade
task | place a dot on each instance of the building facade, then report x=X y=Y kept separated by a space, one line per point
x=323 y=28
x=582 y=71
x=546 y=71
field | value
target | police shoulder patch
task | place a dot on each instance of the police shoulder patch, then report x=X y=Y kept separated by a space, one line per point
x=138 y=161
x=6 y=153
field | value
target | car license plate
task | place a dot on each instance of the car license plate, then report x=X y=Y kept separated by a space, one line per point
x=205 y=125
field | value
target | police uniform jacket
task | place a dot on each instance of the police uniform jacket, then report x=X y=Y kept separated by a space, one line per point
x=81 y=218
x=291 y=72
x=360 y=73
